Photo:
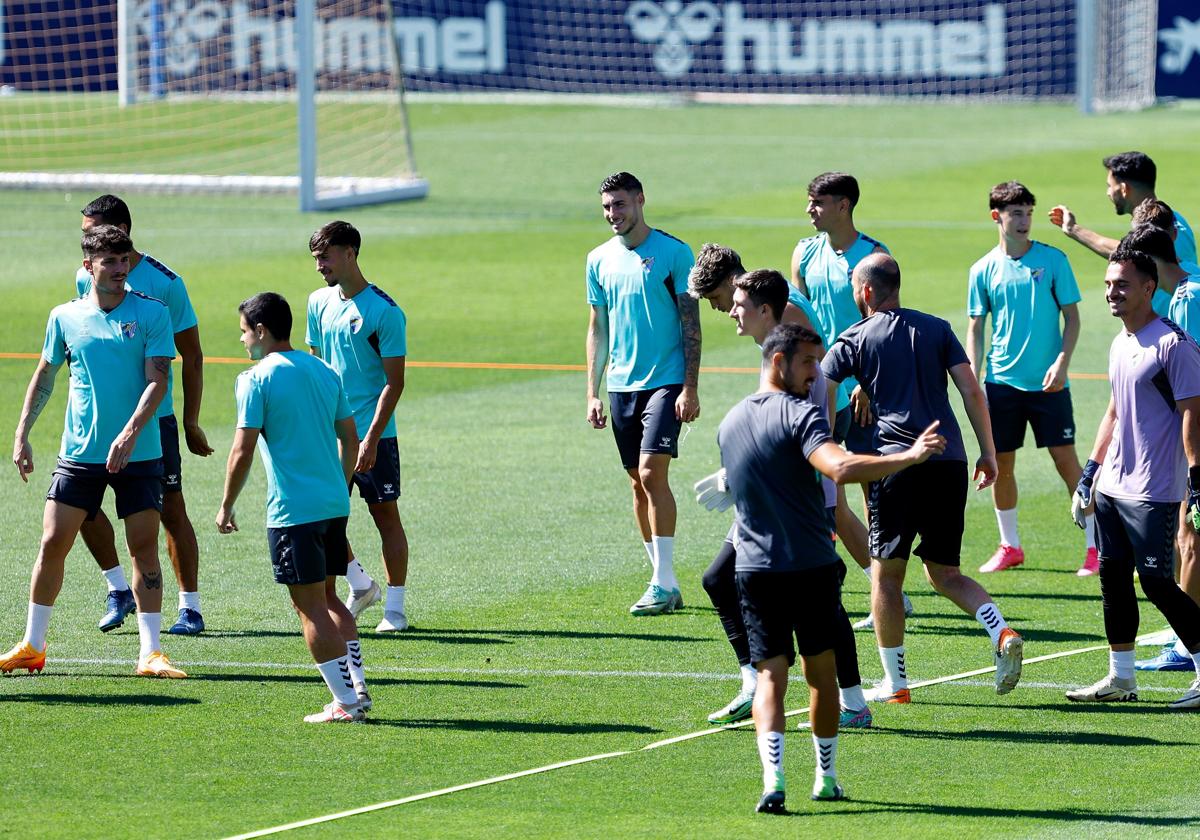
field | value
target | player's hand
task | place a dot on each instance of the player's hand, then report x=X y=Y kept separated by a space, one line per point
x=1062 y=217
x=23 y=458
x=595 y=413
x=1056 y=377
x=687 y=405
x=226 y=520
x=712 y=491
x=986 y=471
x=197 y=441
x=860 y=406
x=367 y=450
x=929 y=443
x=1081 y=499
x=1194 y=497
x=120 y=451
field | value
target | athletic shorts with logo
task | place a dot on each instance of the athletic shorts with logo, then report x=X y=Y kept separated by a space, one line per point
x=381 y=483
x=779 y=607
x=1131 y=534
x=1050 y=414
x=309 y=553
x=168 y=431
x=138 y=487
x=645 y=421
x=926 y=500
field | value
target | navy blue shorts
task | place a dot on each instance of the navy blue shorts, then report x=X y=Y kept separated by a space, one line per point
x=168 y=431
x=928 y=500
x=1051 y=416
x=778 y=607
x=309 y=553
x=381 y=483
x=645 y=421
x=1133 y=534
x=855 y=438
x=138 y=487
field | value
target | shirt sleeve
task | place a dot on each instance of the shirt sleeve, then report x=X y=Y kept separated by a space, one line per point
x=393 y=333
x=952 y=349
x=681 y=267
x=1181 y=360
x=250 y=403
x=160 y=340
x=54 y=347
x=839 y=363
x=83 y=281
x=183 y=316
x=595 y=293
x=1066 y=290
x=811 y=429
x=978 y=302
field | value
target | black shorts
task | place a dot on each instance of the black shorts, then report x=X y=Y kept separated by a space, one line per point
x=645 y=421
x=777 y=606
x=138 y=487
x=928 y=500
x=1136 y=534
x=381 y=483
x=850 y=434
x=168 y=431
x=1050 y=414
x=309 y=553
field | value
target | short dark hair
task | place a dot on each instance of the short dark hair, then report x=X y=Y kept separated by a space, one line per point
x=882 y=273
x=1153 y=211
x=335 y=233
x=786 y=339
x=108 y=210
x=765 y=285
x=620 y=181
x=841 y=184
x=1010 y=193
x=105 y=239
x=714 y=265
x=1140 y=260
x=1152 y=240
x=271 y=310
x=1132 y=166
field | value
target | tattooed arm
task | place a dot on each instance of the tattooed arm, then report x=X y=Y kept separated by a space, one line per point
x=687 y=407
x=37 y=395
x=157 y=368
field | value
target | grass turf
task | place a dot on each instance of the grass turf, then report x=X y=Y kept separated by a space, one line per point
x=524 y=556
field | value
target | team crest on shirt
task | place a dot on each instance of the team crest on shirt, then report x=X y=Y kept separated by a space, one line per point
x=129 y=328
x=647 y=265
x=1036 y=274
x=355 y=324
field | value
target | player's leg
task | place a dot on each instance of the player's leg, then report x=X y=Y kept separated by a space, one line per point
x=182 y=547
x=1174 y=655
x=769 y=724
x=820 y=671
x=394 y=542
x=819 y=621
x=658 y=445
x=720 y=582
x=60 y=525
x=625 y=413
x=337 y=558
x=891 y=536
x=1007 y=410
x=101 y=542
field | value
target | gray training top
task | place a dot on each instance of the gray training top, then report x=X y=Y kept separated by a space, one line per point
x=781 y=522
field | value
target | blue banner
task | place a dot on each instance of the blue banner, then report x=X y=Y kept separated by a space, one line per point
x=1178 y=49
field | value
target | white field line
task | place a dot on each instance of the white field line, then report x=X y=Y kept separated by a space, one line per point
x=379 y=806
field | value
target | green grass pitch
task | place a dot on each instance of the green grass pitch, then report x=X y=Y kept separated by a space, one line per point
x=524 y=556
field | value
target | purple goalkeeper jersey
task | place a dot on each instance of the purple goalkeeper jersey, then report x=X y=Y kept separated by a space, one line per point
x=1150 y=371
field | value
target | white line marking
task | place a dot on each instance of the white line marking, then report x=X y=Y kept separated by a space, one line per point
x=600 y=757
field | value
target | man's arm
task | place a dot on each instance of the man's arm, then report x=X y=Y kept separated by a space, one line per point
x=237 y=468
x=847 y=468
x=975 y=404
x=1062 y=218
x=1105 y=431
x=797 y=277
x=37 y=395
x=975 y=341
x=385 y=406
x=156 y=370
x=191 y=362
x=687 y=405
x=347 y=436
x=597 y=360
x=1056 y=377
x=793 y=314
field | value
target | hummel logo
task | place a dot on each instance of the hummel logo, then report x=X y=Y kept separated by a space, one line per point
x=1151 y=562
x=672 y=27
x=666 y=441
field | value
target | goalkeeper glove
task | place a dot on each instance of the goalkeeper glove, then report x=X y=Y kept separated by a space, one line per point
x=1194 y=497
x=713 y=492
x=1082 y=498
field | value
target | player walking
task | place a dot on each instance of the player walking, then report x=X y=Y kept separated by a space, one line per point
x=117 y=345
x=902 y=357
x=644 y=328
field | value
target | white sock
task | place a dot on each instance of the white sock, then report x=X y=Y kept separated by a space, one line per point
x=664 y=562
x=650 y=552
x=894 y=674
x=189 y=601
x=749 y=677
x=852 y=698
x=1007 y=520
x=826 y=750
x=149 y=626
x=770 y=751
x=1181 y=648
x=115 y=577
x=989 y=616
x=336 y=673
x=357 y=678
x=37 y=623
x=1089 y=529
x=357 y=576
x=1120 y=664
x=395 y=599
